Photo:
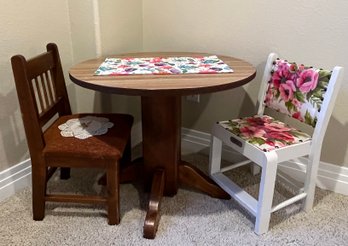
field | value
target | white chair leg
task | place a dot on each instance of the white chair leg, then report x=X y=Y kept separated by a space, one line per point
x=264 y=205
x=215 y=155
x=311 y=177
x=255 y=169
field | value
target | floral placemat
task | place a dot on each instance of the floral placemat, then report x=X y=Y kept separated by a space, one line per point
x=159 y=65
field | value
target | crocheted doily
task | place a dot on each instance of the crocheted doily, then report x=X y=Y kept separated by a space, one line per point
x=85 y=127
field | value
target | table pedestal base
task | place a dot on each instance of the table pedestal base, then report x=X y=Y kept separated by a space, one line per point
x=153 y=212
x=189 y=176
x=161 y=166
x=193 y=177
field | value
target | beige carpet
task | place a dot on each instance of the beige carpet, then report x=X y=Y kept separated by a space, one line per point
x=189 y=218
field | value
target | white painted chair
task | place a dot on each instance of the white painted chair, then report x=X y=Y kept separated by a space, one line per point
x=304 y=93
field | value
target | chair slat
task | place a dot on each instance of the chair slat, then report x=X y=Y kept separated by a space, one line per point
x=49 y=112
x=39 y=95
x=49 y=87
x=44 y=90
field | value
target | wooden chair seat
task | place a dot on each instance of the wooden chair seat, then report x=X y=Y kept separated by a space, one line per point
x=107 y=146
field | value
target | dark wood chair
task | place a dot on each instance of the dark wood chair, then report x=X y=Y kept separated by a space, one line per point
x=43 y=99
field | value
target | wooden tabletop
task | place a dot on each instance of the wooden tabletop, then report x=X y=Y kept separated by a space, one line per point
x=168 y=85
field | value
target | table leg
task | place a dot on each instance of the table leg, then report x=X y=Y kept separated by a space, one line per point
x=161 y=165
x=161 y=126
x=153 y=213
x=192 y=176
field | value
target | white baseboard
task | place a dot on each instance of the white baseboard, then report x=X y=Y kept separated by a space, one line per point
x=330 y=177
x=14 y=179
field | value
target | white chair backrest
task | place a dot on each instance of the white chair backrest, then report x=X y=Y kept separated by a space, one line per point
x=304 y=93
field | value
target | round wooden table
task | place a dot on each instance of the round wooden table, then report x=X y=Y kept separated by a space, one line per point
x=161 y=165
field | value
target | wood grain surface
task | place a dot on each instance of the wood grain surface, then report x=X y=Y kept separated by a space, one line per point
x=169 y=85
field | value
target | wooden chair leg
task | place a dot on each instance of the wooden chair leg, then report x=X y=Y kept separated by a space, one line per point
x=127 y=154
x=38 y=191
x=265 y=199
x=113 y=203
x=64 y=173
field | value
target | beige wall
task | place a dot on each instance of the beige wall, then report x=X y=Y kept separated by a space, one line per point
x=100 y=28
x=83 y=29
x=25 y=28
x=121 y=31
x=312 y=32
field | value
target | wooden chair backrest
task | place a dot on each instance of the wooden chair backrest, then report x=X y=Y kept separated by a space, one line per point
x=41 y=93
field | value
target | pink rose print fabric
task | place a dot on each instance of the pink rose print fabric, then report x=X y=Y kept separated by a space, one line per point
x=159 y=65
x=265 y=132
x=297 y=90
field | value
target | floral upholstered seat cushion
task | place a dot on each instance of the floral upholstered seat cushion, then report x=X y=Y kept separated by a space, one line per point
x=265 y=132
x=297 y=90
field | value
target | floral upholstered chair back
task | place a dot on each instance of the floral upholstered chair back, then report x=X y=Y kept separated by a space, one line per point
x=296 y=90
